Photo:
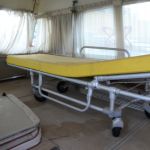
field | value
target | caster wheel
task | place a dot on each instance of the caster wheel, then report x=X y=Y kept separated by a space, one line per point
x=4 y=94
x=62 y=87
x=117 y=127
x=116 y=131
x=147 y=110
x=147 y=114
x=38 y=97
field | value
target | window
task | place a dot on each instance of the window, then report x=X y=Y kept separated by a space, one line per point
x=136 y=22
x=100 y=27
x=15 y=31
x=42 y=35
x=99 y=30
x=8 y=29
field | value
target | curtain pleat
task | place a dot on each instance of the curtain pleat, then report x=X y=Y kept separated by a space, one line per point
x=62 y=35
x=42 y=36
x=16 y=29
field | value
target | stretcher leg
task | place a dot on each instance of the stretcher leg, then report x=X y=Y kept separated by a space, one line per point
x=117 y=122
x=35 y=91
x=117 y=125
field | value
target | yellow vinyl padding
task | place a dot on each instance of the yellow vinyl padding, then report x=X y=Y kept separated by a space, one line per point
x=80 y=67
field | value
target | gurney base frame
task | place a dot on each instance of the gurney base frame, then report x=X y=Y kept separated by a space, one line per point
x=112 y=112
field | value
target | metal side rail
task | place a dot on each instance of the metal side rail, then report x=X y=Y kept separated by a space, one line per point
x=106 y=48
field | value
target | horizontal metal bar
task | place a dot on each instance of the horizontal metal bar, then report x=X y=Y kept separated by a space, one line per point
x=62 y=103
x=65 y=97
x=123 y=77
x=77 y=81
x=122 y=92
x=12 y=78
x=77 y=101
x=105 y=48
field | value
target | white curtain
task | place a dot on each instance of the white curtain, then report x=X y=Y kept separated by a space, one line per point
x=42 y=36
x=96 y=28
x=136 y=24
x=16 y=29
x=62 y=35
x=78 y=38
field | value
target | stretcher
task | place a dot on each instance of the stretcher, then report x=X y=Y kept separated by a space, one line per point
x=99 y=74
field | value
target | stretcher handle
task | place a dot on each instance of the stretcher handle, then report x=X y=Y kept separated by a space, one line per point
x=107 y=48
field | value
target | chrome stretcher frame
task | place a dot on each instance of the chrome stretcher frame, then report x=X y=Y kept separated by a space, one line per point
x=95 y=84
x=115 y=113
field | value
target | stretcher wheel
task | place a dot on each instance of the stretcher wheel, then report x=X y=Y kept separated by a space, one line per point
x=62 y=87
x=116 y=131
x=55 y=148
x=147 y=114
x=147 y=110
x=4 y=94
x=117 y=126
x=37 y=95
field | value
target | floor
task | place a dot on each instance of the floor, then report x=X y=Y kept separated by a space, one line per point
x=65 y=129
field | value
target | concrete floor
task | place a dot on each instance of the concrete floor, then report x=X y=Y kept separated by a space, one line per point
x=65 y=129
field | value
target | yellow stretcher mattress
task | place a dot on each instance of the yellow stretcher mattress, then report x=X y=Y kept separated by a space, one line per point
x=78 y=67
